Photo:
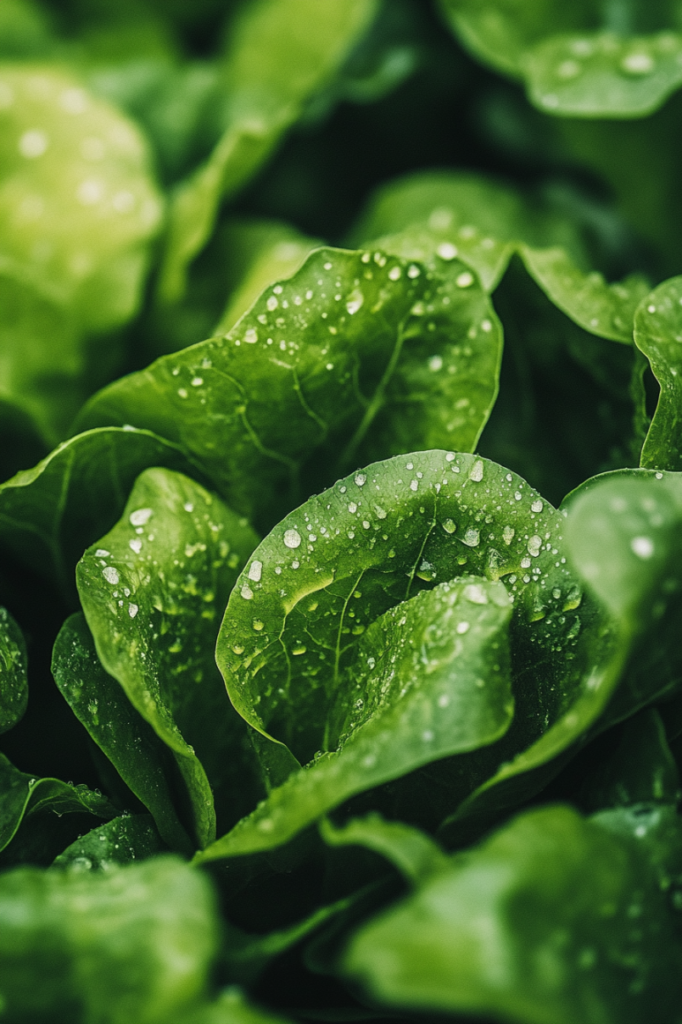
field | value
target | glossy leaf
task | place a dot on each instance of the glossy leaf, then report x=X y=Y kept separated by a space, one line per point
x=152 y=591
x=74 y=226
x=334 y=353
x=22 y=795
x=50 y=513
x=534 y=925
x=430 y=680
x=21 y=444
x=445 y=215
x=262 y=252
x=13 y=677
x=384 y=534
x=279 y=53
x=133 y=943
x=132 y=746
x=658 y=334
x=121 y=841
x=621 y=540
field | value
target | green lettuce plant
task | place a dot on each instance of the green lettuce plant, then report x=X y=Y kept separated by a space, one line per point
x=340 y=512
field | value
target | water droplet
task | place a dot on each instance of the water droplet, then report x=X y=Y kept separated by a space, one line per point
x=292 y=538
x=102 y=553
x=255 y=570
x=463 y=627
x=360 y=479
x=395 y=273
x=299 y=649
x=133 y=609
x=141 y=516
x=643 y=547
x=237 y=648
x=413 y=271
x=381 y=513
x=352 y=507
x=111 y=575
x=355 y=301
x=33 y=144
x=568 y=69
x=257 y=625
x=536 y=506
x=508 y=535
x=449 y=526
x=637 y=63
x=534 y=545
x=476 y=473
x=447 y=251
x=435 y=363
x=464 y=280
x=471 y=538
x=475 y=593
x=246 y=592
x=414 y=484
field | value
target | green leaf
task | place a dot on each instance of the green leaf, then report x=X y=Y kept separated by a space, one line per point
x=345 y=371
x=279 y=53
x=306 y=654
x=658 y=334
x=132 y=746
x=22 y=795
x=641 y=769
x=500 y=33
x=534 y=925
x=13 y=678
x=442 y=215
x=50 y=513
x=578 y=60
x=152 y=591
x=430 y=680
x=133 y=943
x=121 y=841
x=261 y=252
x=603 y=74
x=24 y=30
x=413 y=853
x=75 y=226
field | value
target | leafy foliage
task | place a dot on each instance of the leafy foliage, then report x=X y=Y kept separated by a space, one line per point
x=340 y=511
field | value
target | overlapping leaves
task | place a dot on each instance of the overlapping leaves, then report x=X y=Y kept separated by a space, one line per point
x=582 y=60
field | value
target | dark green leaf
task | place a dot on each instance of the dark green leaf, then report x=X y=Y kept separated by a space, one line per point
x=134 y=943
x=334 y=353
x=49 y=514
x=21 y=795
x=641 y=769
x=120 y=841
x=132 y=746
x=152 y=591
x=552 y=920
x=13 y=678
